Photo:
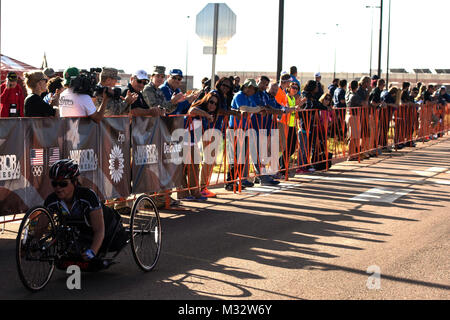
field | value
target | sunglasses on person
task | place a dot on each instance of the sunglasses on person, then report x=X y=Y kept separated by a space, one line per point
x=177 y=78
x=61 y=184
x=142 y=81
x=294 y=87
x=226 y=86
x=212 y=102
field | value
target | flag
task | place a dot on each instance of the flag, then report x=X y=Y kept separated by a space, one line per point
x=53 y=156
x=44 y=62
x=37 y=157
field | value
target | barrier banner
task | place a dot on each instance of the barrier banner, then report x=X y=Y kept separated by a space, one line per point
x=83 y=145
x=157 y=163
x=171 y=166
x=146 y=145
x=115 y=171
x=13 y=185
x=44 y=145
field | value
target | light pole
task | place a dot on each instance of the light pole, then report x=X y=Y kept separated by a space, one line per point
x=320 y=34
x=381 y=36
x=187 y=48
x=388 y=46
x=280 y=38
x=335 y=45
x=371 y=38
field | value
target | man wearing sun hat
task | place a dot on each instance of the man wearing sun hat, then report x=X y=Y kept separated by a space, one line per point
x=12 y=98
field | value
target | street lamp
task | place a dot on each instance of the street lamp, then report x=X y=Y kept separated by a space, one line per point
x=381 y=35
x=371 y=37
x=335 y=45
x=187 y=46
x=320 y=34
x=388 y=48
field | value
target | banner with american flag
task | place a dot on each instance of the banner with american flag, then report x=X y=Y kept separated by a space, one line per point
x=37 y=157
x=53 y=156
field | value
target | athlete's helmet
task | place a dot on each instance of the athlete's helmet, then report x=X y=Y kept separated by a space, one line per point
x=64 y=169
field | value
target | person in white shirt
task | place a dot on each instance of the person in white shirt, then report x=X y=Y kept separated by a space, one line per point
x=73 y=104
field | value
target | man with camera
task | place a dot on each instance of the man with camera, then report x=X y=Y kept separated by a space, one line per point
x=116 y=105
x=76 y=100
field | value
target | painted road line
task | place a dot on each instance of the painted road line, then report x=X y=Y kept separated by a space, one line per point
x=440 y=181
x=430 y=171
x=355 y=179
x=386 y=195
x=271 y=189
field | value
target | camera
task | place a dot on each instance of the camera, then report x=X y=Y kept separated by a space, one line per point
x=114 y=93
x=85 y=82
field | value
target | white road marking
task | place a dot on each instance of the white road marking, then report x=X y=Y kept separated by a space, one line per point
x=430 y=171
x=387 y=195
x=271 y=189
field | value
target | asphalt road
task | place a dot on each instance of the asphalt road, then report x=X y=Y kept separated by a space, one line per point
x=315 y=237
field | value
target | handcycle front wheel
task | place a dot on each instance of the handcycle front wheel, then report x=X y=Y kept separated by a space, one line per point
x=145 y=233
x=35 y=248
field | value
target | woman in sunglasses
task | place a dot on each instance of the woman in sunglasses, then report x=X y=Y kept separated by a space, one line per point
x=81 y=205
x=201 y=116
x=34 y=105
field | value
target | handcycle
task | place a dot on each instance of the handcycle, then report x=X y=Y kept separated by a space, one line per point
x=45 y=242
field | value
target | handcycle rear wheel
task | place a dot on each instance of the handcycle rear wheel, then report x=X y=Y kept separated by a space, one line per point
x=35 y=248
x=145 y=233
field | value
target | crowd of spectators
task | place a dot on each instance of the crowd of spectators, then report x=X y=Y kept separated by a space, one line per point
x=256 y=103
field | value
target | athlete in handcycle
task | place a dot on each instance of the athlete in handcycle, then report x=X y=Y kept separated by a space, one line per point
x=75 y=228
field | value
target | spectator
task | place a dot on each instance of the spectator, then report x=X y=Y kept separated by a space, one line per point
x=237 y=86
x=49 y=73
x=333 y=86
x=374 y=81
x=201 y=113
x=339 y=106
x=367 y=116
x=171 y=87
x=405 y=95
x=320 y=90
x=293 y=74
x=443 y=96
x=261 y=99
x=12 y=97
x=154 y=96
x=392 y=99
x=242 y=100
x=139 y=107
x=54 y=89
x=73 y=104
x=224 y=92
x=309 y=120
x=339 y=94
x=116 y=105
x=34 y=105
x=384 y=114
x=353 y=120
x=428 y=94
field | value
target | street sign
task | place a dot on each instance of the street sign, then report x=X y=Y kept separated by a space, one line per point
x=205 y=24
x=215 y=25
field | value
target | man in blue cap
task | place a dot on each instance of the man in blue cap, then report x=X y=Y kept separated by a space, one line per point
x=172 y=86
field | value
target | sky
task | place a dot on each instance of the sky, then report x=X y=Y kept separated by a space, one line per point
x=138 y=34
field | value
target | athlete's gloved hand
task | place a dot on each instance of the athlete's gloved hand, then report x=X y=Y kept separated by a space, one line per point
x=89 y=254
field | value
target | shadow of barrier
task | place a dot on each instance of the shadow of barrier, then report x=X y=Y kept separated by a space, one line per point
x=122 y=157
